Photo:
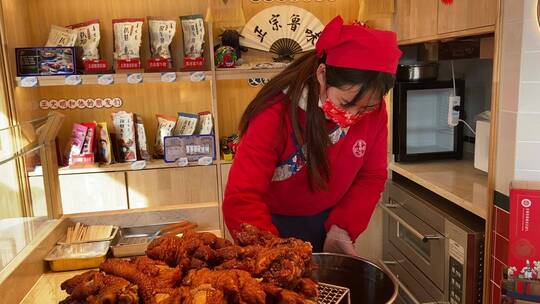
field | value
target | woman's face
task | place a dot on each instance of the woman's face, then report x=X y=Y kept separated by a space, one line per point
x=343 y=96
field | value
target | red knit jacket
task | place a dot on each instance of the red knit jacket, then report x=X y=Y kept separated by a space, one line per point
x=269 y=175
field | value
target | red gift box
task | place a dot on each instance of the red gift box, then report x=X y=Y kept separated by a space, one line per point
x=524 y=242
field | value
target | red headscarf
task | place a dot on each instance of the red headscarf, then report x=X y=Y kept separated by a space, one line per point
x=358 y=47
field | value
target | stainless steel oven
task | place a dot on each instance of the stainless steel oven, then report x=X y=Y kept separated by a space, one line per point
x=435 y=249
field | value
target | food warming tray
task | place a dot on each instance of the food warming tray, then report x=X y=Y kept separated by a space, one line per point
x=77 y=256
x=132 y=241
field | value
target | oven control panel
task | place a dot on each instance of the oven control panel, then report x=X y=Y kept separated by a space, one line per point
x=456 y=273
x=456 y=282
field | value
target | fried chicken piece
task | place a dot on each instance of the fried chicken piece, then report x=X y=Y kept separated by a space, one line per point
x=94 y=287
x=180 y=251
x=165 y=249
x=284 y=262
x=280 y=261
x=205 y=294
x=280 y=295
x=140 y=268
x=237 y=285
x=308 y=288
x=222 y=243
x=251 y=235
x=155 y=279
x=70 y=284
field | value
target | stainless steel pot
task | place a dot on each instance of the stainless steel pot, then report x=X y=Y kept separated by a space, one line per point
x=418 y=72
x=367 y=282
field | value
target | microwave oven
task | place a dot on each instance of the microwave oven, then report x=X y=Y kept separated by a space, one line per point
x=421 y=129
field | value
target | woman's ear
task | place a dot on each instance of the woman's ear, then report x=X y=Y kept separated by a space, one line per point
x=321 y=74
x=321 y=78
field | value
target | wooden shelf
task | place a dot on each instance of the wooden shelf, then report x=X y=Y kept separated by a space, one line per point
x=457 y=181
x=45 y=81
x=221 y=74
x=226 y=162
x=246 y=73
x=118 y=167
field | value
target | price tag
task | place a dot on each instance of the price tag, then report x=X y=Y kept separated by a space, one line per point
x=138 y=165
x=168 y=77
x=29 y=82
x=182 y=162
x=205 y=161
x=73 y=80
x=197 y=76
x=105 y=79
x=135 y=78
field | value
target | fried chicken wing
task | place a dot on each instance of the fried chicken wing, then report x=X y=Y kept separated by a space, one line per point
x=308 y=288
x=251 y=235
x=238 y=285
x=143 y=268
x=278 y=295
x=94 y=287
x=205 y=294
x=155 y=279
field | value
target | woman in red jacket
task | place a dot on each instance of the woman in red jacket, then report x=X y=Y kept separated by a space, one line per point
x=312 y=160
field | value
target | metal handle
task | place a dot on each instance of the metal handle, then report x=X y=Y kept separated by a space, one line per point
x=392 y=204
x=424 y=238
x=402 y=287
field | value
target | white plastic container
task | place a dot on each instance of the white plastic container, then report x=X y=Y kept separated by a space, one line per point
x=481 y=145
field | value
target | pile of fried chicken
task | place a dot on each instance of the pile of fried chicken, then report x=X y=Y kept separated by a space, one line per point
x=200 y=268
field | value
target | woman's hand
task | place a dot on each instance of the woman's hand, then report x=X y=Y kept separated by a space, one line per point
x=338 y=241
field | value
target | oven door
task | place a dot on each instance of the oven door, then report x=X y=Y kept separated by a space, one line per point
x=423 y=246
x=414 y=287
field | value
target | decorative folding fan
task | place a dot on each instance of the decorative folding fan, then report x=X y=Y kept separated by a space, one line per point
x=284 y=30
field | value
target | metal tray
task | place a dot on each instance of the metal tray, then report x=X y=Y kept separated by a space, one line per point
x=132 y=241
x=77 y=256
x=62 y=241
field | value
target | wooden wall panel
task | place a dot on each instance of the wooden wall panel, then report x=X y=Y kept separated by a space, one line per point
x=93 y=192
x=155 y=188
x=325 y=10
x=233 y=97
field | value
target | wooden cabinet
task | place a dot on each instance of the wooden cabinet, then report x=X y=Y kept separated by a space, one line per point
x=425 y=20
x=369 y=244
x=161 y=187
x=466 y=15
x=416 y=18
x=93 y=192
